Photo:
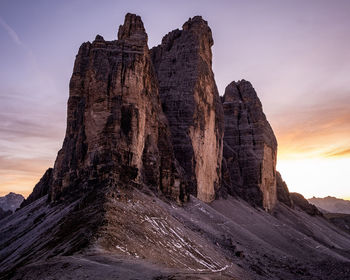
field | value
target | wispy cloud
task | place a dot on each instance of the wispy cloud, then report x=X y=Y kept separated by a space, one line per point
x=21 y=174
x=16 y=39
x=339 y=153
x=11 y=32
x=320 y=130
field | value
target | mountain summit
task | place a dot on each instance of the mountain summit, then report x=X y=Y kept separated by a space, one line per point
x=161 y=178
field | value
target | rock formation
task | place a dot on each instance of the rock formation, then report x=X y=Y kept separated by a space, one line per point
x=41 y=189
x=116 y=132
x=191 y=102
x=250 y=147
x=301 y=203
x=11 y=201
x=282 y=191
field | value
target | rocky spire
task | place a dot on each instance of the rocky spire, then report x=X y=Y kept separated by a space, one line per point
x=116 y=132
x=191 y=102
x=132 y=29
x=250 y=147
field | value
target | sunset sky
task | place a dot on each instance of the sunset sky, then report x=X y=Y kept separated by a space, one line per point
x=295 y=53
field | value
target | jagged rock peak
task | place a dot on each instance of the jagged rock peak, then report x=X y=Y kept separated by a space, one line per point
x=240 y=90
x=99 y=38
x=250 y=147
x=233 y=93
x=243 y=91
x=132 y=29
x=199 y=25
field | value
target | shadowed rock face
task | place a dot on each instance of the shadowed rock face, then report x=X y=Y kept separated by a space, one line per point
x=191 y=102
x=116 y=132
x=301 y=203
x=11 y=201
x=41 y=189
x=4 y=214
x=282 y=191
x=250 y=147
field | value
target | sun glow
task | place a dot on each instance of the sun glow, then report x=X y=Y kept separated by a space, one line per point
x=317 y=176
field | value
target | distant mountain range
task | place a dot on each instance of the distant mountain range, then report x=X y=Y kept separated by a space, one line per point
x=9 y=203
x=331 y=204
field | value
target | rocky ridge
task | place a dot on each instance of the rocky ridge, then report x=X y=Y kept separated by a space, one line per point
x=301 y=203
x=11 y=201
x=40 y=189
x=331 y=204
x=283 y=194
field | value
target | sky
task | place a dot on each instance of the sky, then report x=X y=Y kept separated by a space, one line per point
x=294 y=52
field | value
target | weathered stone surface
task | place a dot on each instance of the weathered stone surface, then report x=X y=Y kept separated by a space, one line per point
x=191 y=102
x=341 y=220
x=301 y=202
x=250 y=147
x=116 y=132
x=41 y=189
x=282 y=191
x=11 y=201
x=4 y=214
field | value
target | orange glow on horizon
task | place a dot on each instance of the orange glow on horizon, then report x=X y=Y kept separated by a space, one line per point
x=20 y=175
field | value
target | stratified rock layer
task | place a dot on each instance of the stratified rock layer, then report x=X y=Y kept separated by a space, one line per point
x=250 y=147
x=191 y=102
x=116 y=132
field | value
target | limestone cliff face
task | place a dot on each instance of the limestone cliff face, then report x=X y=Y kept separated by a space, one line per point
x=116 y=132
x=191 y=102
x=250 y=147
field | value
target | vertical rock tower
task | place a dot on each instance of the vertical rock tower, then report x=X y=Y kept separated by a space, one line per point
x=250 y=147
x=116 y=131
x=191 y=102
